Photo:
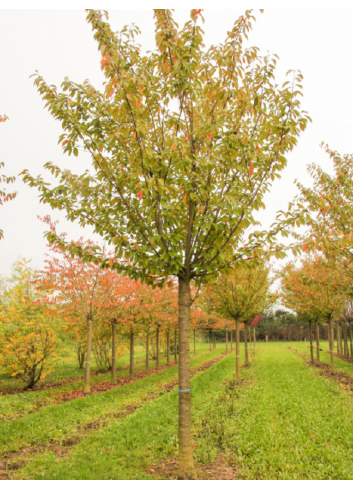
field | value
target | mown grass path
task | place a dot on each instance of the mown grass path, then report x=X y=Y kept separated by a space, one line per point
x=292 y=424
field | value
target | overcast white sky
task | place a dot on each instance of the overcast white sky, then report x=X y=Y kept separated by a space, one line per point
x=59 y=43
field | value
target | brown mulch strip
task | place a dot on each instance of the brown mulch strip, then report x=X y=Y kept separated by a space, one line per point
x=341 y=378
x=344 y=380
x=14 y=461
x=342 y=357
x=219 y=469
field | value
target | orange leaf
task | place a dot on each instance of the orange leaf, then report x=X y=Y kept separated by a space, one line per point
x=305 y=247
x=138 y=103
x=184 y=198
x=173 y=146
x=140 y=194
x=209 y=135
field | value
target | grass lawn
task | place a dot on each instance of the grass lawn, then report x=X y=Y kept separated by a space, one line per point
x=284 y=422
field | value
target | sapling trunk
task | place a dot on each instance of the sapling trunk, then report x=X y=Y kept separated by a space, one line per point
x=87 y=387
x=175 y=347
x=226 y=341
x=131 y=372
x=194 y=342
x=231 y=340
x=214 y=340
x=237 y=351
x=186 y=462
x=210 y=341
x=168 y=347
x=254 y=340
x=147 y=351
x=331 y=349
x=113 y=377
x=346 y=354
x=351 y=338
x=157 y=348
x=317 y=342
x=338 y=329
x=311 y=342
x=246 y=344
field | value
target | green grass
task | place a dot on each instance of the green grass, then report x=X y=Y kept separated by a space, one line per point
x=58 y=422
x=285 y=422
x=341 y=365
x=126 y=447
x=289 y=423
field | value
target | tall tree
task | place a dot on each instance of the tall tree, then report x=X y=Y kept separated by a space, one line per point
x=185 y=143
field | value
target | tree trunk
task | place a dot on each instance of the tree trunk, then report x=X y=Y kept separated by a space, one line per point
x=338 y=338
x=246 y=344
x=214 y=341
x=175 y=347
x=226 y=341
x=237 y=351
x=157 y=347
x=186 y=463
x=317 y=342
x=194 y=342
x=254 y=340
x=147 y=352
x=131 y=372
x=210 y=340
x=81 y=355
x=331 y=349
x=231 y=340
x=113 y=377
x=168 y=347
x=345 y=339
x=311 y=342
x=351 y=339
x=86 y=387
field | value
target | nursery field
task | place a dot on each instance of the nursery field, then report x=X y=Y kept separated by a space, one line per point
x=286 y=420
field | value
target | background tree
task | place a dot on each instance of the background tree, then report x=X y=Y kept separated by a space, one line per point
x=318 y=289
x=185 y=143
x=240 y=295
x=80 y=289
x=27 y=332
